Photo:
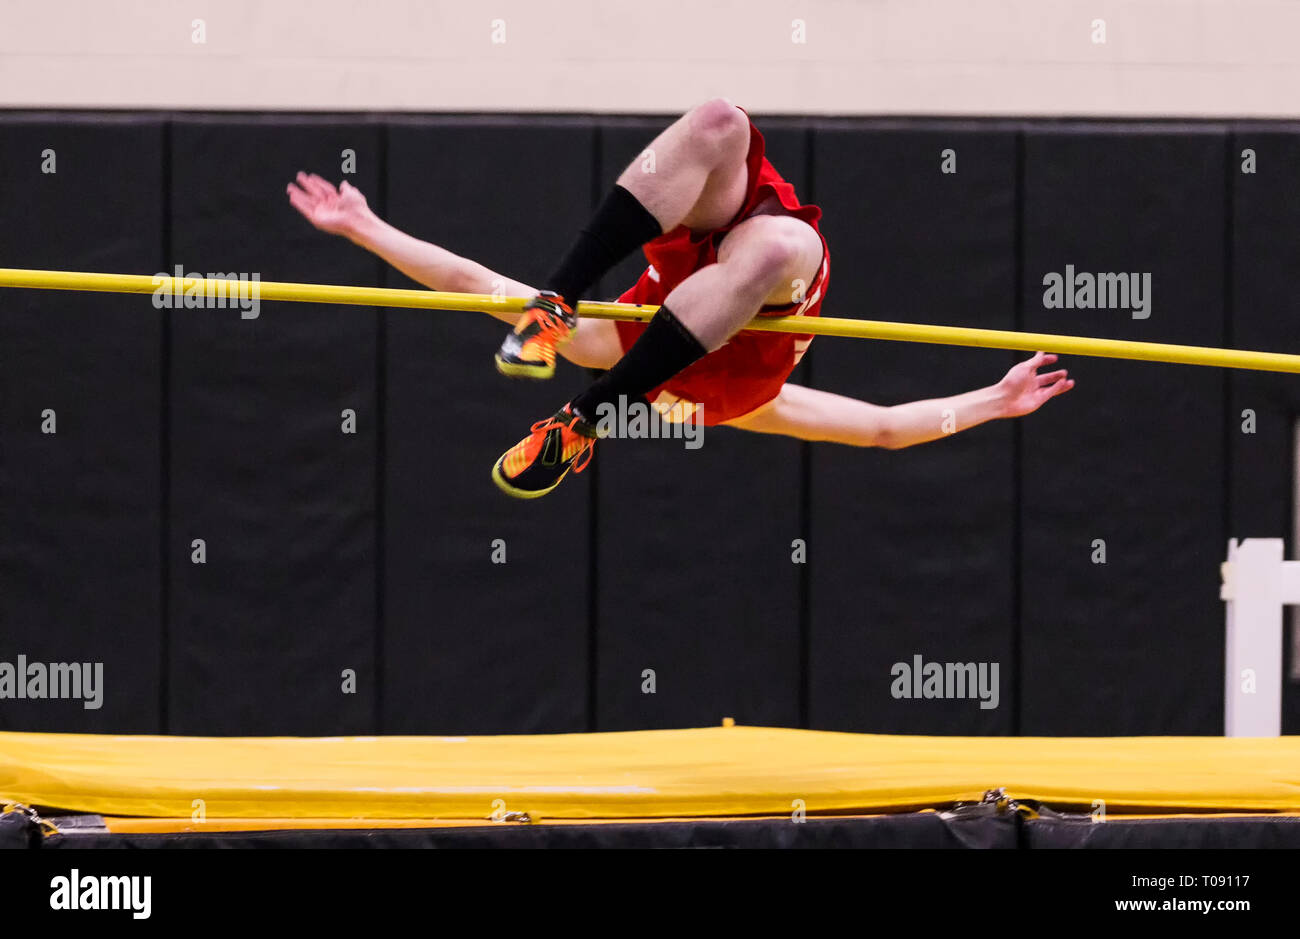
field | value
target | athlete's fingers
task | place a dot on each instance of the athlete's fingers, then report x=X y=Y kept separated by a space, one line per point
x=301 y=201
x=306 y=190
x=1060 y=387
x=320 y=187
x=324 y=184
x=1050 y=377
x=304 y=182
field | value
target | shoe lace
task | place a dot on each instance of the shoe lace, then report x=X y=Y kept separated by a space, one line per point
x=549 y=316
x=546 y=425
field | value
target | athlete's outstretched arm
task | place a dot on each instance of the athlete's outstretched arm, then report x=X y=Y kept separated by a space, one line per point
x=810 y=414
x=343 y=211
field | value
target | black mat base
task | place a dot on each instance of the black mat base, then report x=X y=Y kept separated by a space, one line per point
x=923 y=830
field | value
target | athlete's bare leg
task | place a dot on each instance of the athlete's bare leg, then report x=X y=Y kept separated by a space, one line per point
x=694 y=173
x=699 y=180
x=765 y=260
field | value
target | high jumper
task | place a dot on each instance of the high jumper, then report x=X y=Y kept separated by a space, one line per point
x=726 y=239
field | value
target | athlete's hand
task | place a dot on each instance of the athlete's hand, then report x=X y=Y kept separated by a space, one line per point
x=337 y=211
x=1024 y=390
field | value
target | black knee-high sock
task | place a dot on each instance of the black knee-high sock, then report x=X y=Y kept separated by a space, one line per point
x=620 y=226
x=664 y=349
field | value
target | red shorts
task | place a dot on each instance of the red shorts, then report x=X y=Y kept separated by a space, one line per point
x=749 y=370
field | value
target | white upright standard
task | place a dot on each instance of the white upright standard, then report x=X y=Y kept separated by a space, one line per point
x=1257 y=584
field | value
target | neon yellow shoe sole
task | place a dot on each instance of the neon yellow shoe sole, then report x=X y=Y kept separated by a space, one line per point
x=504 y=484
x=524 y=369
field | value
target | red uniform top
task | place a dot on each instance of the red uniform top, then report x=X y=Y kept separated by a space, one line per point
x=749 y=370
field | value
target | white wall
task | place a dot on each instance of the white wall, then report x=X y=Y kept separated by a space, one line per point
x=1016 y=57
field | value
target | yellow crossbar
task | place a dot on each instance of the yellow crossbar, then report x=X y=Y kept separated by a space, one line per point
x=816 y=326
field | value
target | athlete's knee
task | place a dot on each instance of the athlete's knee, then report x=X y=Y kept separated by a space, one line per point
x=719 y=126
x=777 y=254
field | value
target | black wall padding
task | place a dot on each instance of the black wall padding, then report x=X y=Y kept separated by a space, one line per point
x=695 y=579
x=79 y=508
x=1133 y=457
x=1265 y=314
x=912 y=550
x=263 y=633
x=473 y=646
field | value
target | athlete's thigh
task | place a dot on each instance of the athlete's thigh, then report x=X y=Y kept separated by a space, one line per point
x=721 y=199
x=595 y=344
x=780 y=249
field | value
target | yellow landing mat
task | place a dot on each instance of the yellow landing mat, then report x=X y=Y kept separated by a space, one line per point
x=715 y=771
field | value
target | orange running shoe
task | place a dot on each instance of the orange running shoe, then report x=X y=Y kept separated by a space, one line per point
x=536 y=465
x=529 y=351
